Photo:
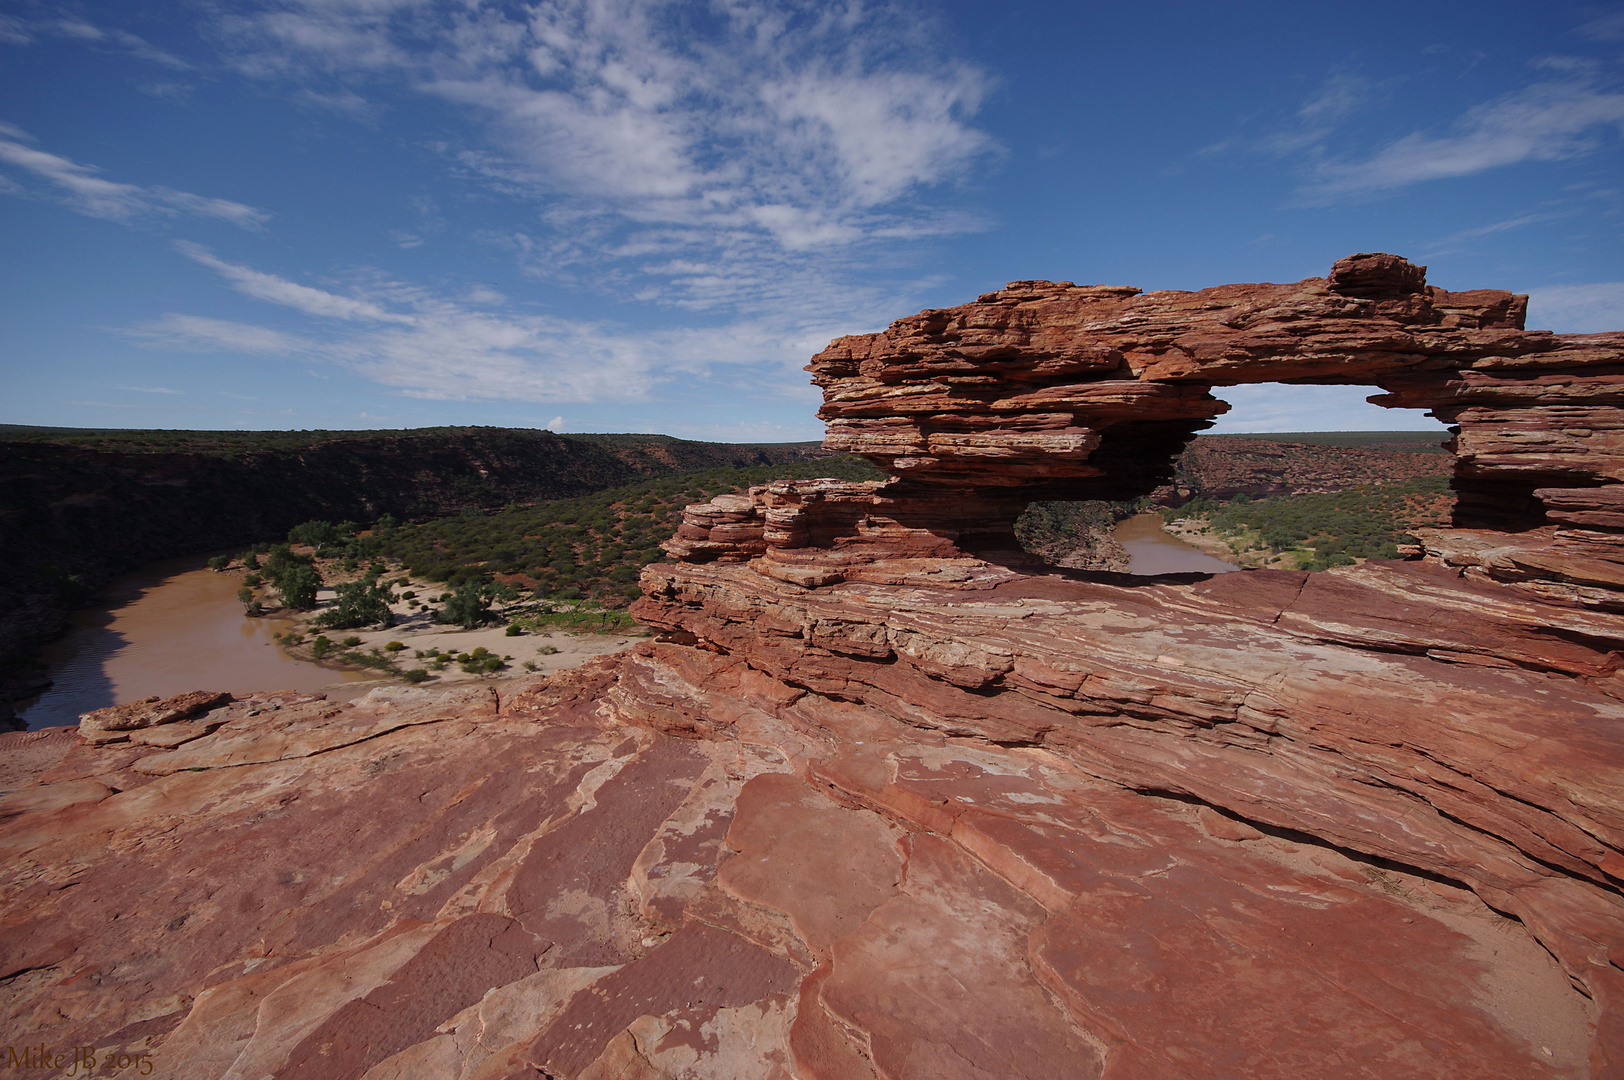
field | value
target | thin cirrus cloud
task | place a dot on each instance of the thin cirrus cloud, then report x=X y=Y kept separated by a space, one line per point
x=82 y=190
x=198 y=333
x=427 y=346
x=1577 y=309
x=775 y=134
x=1547 y=121
x=20 y=31
x=276 y=290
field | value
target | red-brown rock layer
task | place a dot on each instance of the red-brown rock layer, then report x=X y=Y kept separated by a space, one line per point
x=886 y=801
x=674 y=864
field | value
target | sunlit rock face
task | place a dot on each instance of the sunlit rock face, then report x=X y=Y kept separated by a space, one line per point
x=1048 y=390
x=886 y=799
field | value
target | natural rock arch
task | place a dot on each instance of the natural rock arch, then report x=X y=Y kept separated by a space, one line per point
x=1050 y=390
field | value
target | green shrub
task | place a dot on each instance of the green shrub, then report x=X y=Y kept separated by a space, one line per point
x=394 y=646
x=321 y=646
x=415 y=675
x=219 y=562
x=514 y=630
x=351 y=642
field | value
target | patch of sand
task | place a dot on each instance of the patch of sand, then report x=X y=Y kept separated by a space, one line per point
x=416 y=629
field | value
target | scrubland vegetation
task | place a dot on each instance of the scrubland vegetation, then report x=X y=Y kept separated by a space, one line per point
x=1324 y=530
x=590 y=547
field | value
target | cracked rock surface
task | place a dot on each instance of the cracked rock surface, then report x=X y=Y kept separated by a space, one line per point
x=884 y=801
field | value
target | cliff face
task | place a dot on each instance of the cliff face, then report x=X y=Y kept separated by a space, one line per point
x=883 y=800
x=73 y=517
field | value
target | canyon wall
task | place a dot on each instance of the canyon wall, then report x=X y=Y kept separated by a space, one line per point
x=76 y=512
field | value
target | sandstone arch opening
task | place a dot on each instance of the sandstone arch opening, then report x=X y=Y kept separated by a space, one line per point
x=1052 y=391
x=1292 y=477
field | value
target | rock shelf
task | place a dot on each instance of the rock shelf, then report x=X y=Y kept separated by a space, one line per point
x=885 y=799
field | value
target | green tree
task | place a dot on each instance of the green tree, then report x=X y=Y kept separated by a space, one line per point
x=360 y=603
x=469 y=607
x=297 y=585
x=219 y=562
x=317 y=534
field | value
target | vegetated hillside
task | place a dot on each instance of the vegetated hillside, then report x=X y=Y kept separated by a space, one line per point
x=1356 y=491
x=593 y=546
x=78 y=507
x=1075 y=534
x=1324 y=529
x=1223 y=466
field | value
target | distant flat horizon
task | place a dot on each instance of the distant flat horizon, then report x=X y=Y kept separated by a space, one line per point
x=1359 y=434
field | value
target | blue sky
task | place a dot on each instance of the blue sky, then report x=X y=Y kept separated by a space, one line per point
x=602 y=215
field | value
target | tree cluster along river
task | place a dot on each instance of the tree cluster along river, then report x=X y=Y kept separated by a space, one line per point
x=174 y=627
x=169 y=628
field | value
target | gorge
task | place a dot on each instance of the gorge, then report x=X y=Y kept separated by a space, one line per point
x=886 y=797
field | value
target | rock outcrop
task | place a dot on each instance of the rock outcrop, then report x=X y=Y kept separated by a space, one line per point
x=883 y=800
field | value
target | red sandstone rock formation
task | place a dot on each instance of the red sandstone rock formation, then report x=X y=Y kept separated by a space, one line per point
x=880 y=804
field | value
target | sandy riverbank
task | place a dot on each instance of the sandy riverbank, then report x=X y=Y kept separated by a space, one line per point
x=1197 y=533
x=543 y=650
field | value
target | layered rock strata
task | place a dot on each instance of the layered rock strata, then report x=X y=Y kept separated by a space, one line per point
x=1399 y=710
x=673 y=863
x=885 y=801
x=1048 y=390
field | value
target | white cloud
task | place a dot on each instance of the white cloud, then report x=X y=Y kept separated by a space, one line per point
x=1548 y=121
x=1577 y=309
x=81 y=189
x=1457 y=240
x=482 y=348
x=760 y=137
x=195 y=333
x=1605 y=28
x=262 y=286
x=20 y=31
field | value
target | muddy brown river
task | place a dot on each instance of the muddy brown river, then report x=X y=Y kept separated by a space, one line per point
x=168 y=628
x=174 y=626
x=1151 y=550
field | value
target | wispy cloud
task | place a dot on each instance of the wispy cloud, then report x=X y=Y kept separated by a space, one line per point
x=480 y=347
x=1547 y=121
x=1604 y=28
x=1462 y=239
x=196 y=333
x=1577 y=309
x=263 y=286
x=15 y=30
x=676 y=148
x=81 y=189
